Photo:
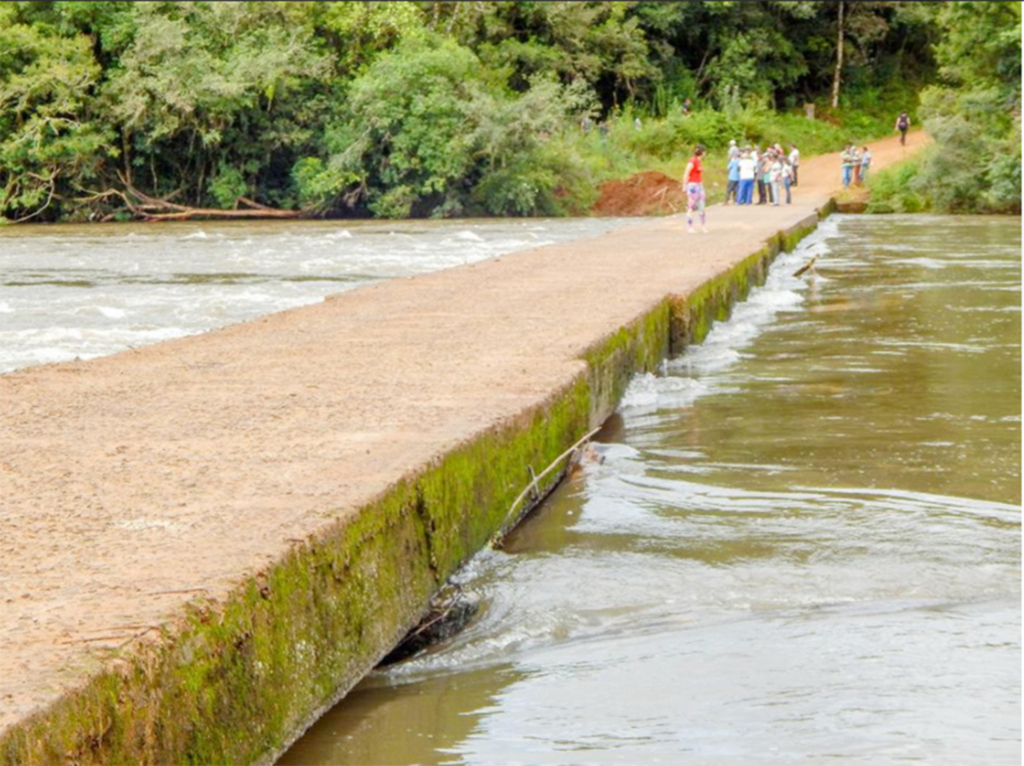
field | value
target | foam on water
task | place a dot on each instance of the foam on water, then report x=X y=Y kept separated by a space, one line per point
x=799 y=542
x=723 y=347
x=222 y=273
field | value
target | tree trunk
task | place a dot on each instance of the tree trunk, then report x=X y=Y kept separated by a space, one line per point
x=839 y=57
x=149 y=208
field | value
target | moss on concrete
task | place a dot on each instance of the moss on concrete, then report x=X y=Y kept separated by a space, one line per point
x=614 y=360
x=236 y=682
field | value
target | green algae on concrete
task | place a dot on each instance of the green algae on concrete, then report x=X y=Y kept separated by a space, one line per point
x=237 y=682
x=613 y=361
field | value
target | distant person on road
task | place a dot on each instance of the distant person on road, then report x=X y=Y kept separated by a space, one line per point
x=787 y=179
x=865 y=163
x=748 y=169
x=794 y=163
x=902 y=125
x=732 y=186
x=693 y=184
x=734 y=151
x=846 y=158
x=762 y=171
x=775 y=177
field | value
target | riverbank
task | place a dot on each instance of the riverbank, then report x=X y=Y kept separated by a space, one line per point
x=208 y=541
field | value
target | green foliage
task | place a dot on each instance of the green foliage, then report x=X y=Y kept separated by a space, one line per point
x=974 y=114
x=200 y=84
x=414 y=111
x=227 y=186
x=596 y=42
x=48 y=143
x=450 y=108
x=430 y=131
x=361 y=30
x=897 y=190
x=318 y=183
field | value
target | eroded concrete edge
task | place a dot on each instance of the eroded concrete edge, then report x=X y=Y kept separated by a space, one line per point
x=239 y=681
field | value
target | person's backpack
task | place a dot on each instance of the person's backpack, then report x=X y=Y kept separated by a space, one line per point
x=903 y=123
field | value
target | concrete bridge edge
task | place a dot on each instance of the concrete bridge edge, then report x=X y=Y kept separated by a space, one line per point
x=239 y=681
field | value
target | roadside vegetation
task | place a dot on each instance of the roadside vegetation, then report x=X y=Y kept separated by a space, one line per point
x=164 y=110
x=973 y=112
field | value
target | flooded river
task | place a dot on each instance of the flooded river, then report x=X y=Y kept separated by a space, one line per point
x=798 y=543
x=84 y=291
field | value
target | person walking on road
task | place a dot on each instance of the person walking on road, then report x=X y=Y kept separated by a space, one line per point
x=693 y=185
x=902 y=124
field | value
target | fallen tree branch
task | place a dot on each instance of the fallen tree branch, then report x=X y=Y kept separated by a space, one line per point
x=150 y=208
x=49 y=199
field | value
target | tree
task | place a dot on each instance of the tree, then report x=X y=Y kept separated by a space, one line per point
x=601 y=44
x=429 y=130
x=50 y=142
x=975 y=113
x=203 y=82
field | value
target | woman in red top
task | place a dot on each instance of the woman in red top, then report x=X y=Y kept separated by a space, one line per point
x=694 y=186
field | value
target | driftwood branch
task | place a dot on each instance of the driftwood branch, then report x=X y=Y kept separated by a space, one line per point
x=49 y=198
x=149 y=208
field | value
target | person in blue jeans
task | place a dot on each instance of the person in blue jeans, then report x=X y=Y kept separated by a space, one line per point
x=747 y=170
x=847 y=160
x=732 y=185
x=865 y=163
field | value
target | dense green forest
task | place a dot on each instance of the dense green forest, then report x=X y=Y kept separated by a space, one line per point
x=115 y=110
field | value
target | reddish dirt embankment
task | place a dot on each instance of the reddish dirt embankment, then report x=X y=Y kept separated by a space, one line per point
x=650 y=193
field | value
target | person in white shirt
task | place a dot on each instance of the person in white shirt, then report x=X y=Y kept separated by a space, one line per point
x=794 y=163
x=748 y=169
x=787 y=179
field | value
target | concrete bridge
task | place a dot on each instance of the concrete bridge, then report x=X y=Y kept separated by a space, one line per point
x=207 y=542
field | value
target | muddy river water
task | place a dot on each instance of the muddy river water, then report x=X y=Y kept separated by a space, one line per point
x=799 y=542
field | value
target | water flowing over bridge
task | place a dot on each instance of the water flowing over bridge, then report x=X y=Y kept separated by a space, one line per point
x=206 y=542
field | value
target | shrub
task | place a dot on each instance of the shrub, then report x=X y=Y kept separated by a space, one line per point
x=897 y=189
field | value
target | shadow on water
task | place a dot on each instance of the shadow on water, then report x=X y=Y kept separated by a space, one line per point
x=386 y=721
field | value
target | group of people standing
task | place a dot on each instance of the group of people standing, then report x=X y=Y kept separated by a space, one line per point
x=855 y=164
x=772 y=171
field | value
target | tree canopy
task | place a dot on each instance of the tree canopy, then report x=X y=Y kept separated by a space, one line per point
x=441 y=108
